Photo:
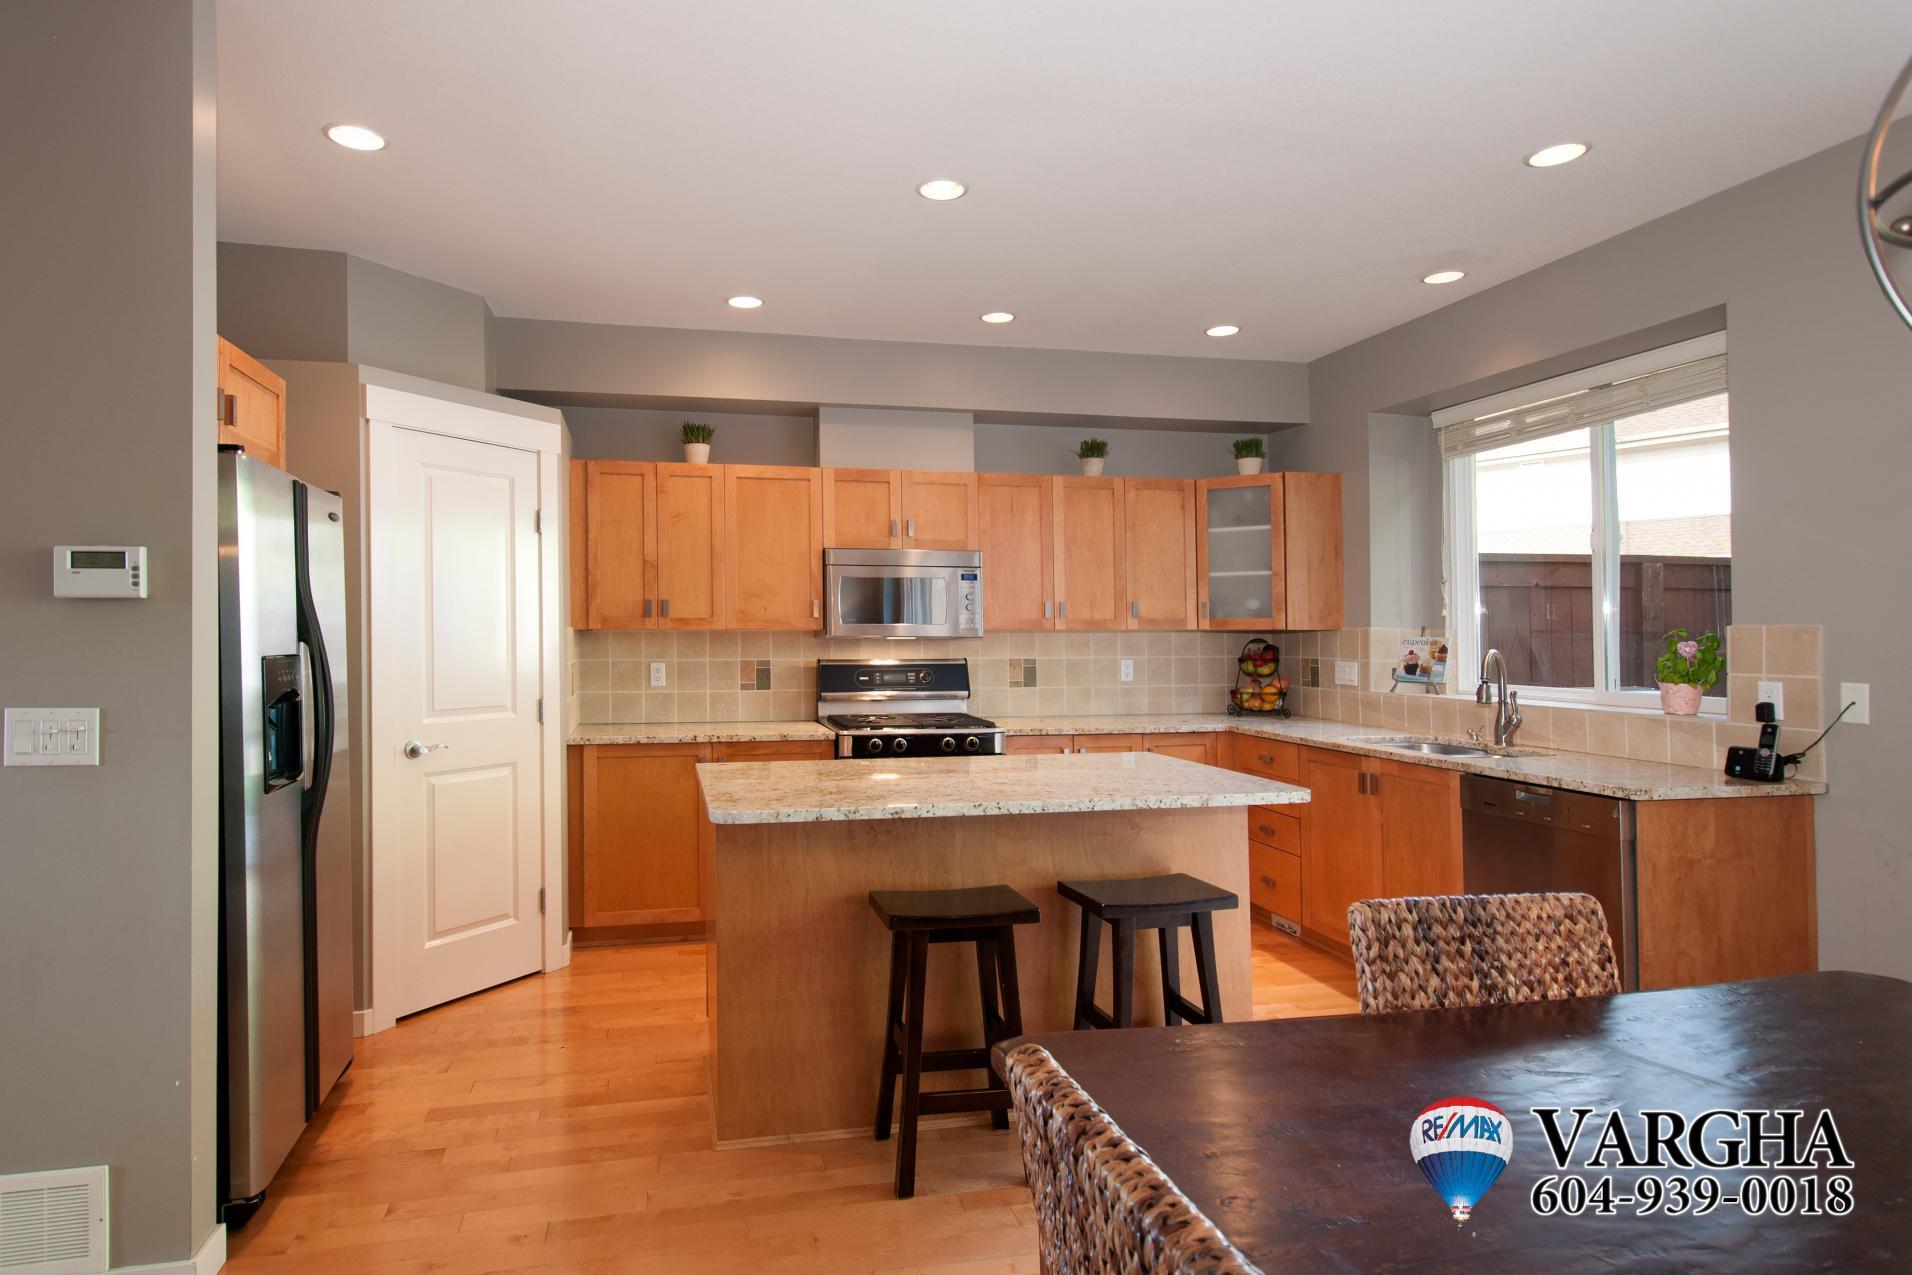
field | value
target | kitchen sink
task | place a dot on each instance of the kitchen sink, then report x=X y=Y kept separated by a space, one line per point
x=1431 y=747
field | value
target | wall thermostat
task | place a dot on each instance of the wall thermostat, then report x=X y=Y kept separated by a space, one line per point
x=99 y=571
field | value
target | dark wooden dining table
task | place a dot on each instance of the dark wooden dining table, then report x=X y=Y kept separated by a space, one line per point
x=1292 y=1135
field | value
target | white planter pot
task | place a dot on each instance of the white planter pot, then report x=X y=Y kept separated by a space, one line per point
x=1248 y=464
x=697 y=453
x=1091 y=466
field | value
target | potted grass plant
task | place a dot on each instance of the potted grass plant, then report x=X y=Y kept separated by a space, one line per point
x=1686 y=669
x=697 y=436
x=1092 y=452
x=1249 y=453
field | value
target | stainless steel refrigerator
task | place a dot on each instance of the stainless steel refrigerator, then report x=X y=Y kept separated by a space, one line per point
x=284 y=834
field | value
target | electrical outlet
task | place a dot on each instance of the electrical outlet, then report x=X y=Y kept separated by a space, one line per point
x=1347 y=672
x=1859 y=695
x=1774 y=693
x=657 y=672
x=1128 y=670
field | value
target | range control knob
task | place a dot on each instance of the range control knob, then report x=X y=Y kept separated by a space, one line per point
x=876 y=745
x=925 y=678
x=949 y=743
x=901 y=746
x=971 y=743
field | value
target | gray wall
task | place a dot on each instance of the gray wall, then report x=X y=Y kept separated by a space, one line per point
x=629 y=433
x=107 y=885
x=542 y=357
x=1150 y=453
x=331 y=307
x=888 y=438
x=1821 y=380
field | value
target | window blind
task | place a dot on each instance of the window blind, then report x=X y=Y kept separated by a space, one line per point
x=1595 y=405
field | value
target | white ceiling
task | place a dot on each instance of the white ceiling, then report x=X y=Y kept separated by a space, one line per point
x=1138 y=170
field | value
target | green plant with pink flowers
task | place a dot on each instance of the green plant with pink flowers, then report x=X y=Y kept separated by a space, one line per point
x=1690 y=661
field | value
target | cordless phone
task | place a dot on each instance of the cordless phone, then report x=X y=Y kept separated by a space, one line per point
x=1764 y=762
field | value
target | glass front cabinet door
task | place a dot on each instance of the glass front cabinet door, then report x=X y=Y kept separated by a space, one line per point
x=1242 y=556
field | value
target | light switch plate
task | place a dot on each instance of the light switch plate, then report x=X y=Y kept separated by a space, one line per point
x=1128 y=670
x=1347 y=673
x=1774 y=693
x=657 y=672
x=52 y=737
x=1859 y=695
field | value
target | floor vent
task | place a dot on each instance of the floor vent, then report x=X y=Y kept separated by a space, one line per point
x=53 y=1223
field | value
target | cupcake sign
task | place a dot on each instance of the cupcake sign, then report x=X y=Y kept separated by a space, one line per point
x=1423 y=659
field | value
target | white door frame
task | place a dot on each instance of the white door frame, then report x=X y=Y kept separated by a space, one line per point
x=387 y=409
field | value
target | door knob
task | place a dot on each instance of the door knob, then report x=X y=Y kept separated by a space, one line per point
x=415 y=750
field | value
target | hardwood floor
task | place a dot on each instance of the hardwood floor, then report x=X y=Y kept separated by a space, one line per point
x=559 y=1124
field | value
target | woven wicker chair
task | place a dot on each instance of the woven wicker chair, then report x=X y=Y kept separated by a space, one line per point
x=1101 y=1205
x=1479 y=949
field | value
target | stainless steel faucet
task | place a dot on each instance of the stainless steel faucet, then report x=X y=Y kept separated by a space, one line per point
x=1507 y=720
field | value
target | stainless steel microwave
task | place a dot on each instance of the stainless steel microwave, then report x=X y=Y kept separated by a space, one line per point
x=902 y=593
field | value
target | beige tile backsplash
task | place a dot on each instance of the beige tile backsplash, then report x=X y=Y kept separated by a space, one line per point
x=732 y=676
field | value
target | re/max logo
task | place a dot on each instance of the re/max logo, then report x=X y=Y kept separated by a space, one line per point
x=1751 y=1138
x=1479 y=1125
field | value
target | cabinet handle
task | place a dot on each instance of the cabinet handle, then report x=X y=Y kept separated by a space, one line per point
x=1135 y=610
x=1265 y=830
x=911 y=525
x=1062 y=610
x=1045 y=608
x=663 y=608
x=892 y=528
x=1265 y=759
x=816 y=609
x=1374 y=785
x=647 y=608
x=1361 y=783
x=229 y=411
x=1267 y=880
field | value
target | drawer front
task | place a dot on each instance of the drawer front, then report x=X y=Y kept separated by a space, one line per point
x=1274 y=883
x=1274 y=827
x=1274 y=758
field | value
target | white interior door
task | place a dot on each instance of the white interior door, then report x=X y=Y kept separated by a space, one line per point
x=455 y=763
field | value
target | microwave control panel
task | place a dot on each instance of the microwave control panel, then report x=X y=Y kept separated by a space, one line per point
x=969 y=602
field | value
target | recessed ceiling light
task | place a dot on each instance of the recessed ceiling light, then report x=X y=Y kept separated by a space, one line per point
x=1223 y=329
x=1554 y=156
x=998 y=316
x=355 y=137
x=1444 y=276
x=942 y=188
x=744 y=303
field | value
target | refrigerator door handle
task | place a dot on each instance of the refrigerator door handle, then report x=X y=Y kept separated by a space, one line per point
x=308 y=723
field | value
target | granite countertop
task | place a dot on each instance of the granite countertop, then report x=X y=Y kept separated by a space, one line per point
x=696 y=732
x=937 y=787
x=1580 y=772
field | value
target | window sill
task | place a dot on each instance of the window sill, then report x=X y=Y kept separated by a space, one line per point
x=1710 y=710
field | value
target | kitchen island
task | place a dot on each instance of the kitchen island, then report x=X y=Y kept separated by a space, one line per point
x=799 y=966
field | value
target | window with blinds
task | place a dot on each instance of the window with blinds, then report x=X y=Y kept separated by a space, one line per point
x=1590 y=515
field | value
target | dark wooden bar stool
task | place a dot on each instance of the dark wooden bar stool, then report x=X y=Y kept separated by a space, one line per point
x=986 y=916
x=1164 y=904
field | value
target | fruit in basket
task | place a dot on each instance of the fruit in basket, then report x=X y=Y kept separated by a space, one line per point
x=1281 y=684
x=1242 y=696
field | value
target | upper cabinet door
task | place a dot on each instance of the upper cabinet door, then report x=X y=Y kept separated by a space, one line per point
x=578 y=581
x=251 y=405
x=1160 y=533
x=1091 y=585
x=1017 y=539
x=862 y=509
x=774 y=550
x=689 y=542
x=1312 y=505
x=620 y=512
x=1241 y=559
x=939 y=511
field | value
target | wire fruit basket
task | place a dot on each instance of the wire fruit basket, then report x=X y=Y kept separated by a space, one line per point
x=1259 y=686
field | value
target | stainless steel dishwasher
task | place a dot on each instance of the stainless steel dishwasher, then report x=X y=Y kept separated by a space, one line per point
x=1525 y=838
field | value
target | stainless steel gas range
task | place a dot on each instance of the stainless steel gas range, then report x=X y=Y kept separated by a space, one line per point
x=902 y=708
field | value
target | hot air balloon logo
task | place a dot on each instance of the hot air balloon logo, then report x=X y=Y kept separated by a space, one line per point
x=1461 y=1145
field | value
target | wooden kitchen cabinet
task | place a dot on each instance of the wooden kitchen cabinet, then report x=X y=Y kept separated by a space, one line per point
x=1199 y=748
x=939 y=511
x=1108 y=743
x=1159 y=531
x=1268 y=549
x=578 y=527
x=862 y=509
x=619 y=545
x=644 y=835
x=1341 y=843
x=773 y=553
x=1014 y=744
x=900 y=509
x=1420 y=828
x=774 y=750
x=251 y=405
x=689 y=546
x=1090 y=576
x=1016 y=514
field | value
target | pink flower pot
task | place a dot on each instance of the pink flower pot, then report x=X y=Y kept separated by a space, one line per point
x=1679 y=699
